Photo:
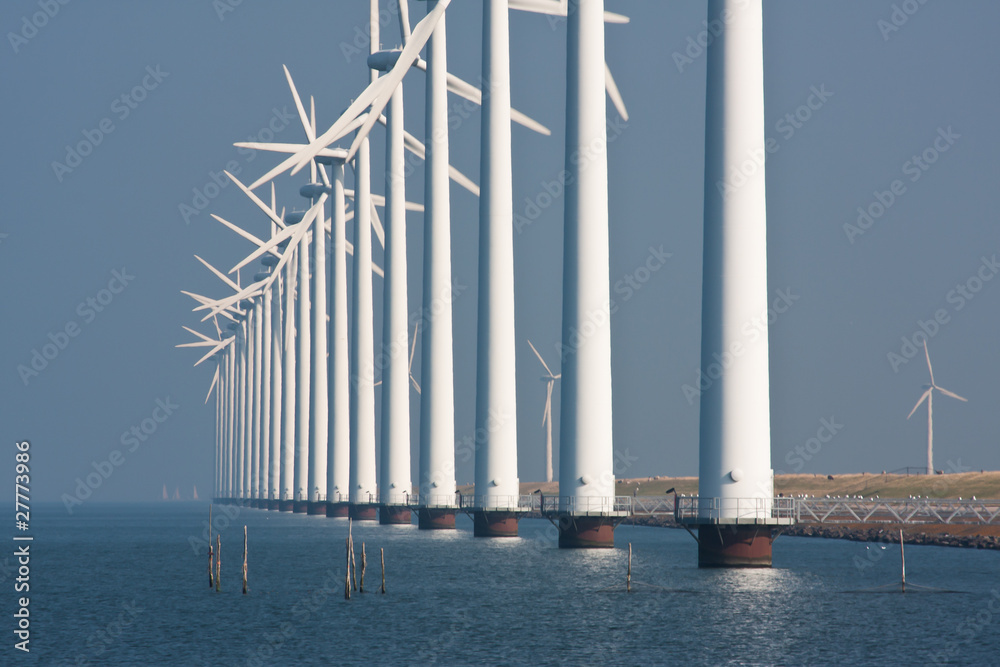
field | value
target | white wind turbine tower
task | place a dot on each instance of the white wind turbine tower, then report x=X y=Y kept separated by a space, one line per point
x=437 y=401
x=587 y=513
x=929 y=396
x=549 y=379
x=736 y=483
x=497 y=488
x=395 y=483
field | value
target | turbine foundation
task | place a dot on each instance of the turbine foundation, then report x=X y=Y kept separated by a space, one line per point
x=317 y=507
x=436 y=518
x=300 y=506
x=494 y=523
x=399 y=515
x=286 y=505
x=363 y=511
x=734 y=546
x=586 y=532
x=338 y=510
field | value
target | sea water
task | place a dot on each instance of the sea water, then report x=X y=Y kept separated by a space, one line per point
x=128 y=585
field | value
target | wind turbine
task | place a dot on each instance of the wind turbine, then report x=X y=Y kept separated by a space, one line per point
x=497 y=488
x=395 y=483
x=929 y=396
x=219 y=385
x=549 y=379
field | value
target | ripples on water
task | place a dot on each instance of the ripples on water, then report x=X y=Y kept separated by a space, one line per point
x=457 y=600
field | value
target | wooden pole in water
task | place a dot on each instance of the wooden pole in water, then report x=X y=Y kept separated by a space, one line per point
x=218 y=563
x=352 y=566
x=244 y=560
x=347 y=575
x=364 y=564
x=210 y=582
x=628 y=577
x=381 y=552
x=902 y=557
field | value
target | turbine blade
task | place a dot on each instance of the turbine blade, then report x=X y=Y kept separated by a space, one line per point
x=197 y=297
x=336 y=131
x=298 y=106
x=199 y=335
x=928 y=355
x=404 y=21
x=215 y=380
x=413 y=348
x=223 y=277
x=239 y=230
x=200 y=343
x=278 y=147
x=218 y=347
x=923 y=397
x=256 y=200
x=268 y=247
x=312 y=115
x=416 y=147
x=304 y=227
x=950 y=393
x=614 y=94
x=393 y=77
x=545 y=365
x=558 y=8
x=416 y=385
x=469 y=92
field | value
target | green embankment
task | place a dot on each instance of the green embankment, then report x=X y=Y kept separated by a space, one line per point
x=957 y=485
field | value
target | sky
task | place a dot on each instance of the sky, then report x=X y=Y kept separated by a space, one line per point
x=120 y=117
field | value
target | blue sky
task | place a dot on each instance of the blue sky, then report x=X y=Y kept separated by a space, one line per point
x=879 y=177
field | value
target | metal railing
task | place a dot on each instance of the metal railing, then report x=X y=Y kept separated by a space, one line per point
x=438 y=500
x=585 y=505
x=513 y=503
x=888 y=510
x=693 y=509
x=404 y=499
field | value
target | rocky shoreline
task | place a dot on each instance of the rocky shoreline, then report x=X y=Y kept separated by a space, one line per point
x=941 y=535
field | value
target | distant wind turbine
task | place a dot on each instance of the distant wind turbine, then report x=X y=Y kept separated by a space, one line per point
x=550 y=381
x=928 y=394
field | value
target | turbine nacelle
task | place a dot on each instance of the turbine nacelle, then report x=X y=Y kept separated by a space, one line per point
x=313 y=190
x=383 y=61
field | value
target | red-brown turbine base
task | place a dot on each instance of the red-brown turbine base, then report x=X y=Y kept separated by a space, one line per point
x=394 y=515
x=430 y=518
x=338 y=510
x=363 y=512
x=494 y=523
x=586 y=532
x=734 y=546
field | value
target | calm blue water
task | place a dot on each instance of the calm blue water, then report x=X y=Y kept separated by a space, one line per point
x=121 y=585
